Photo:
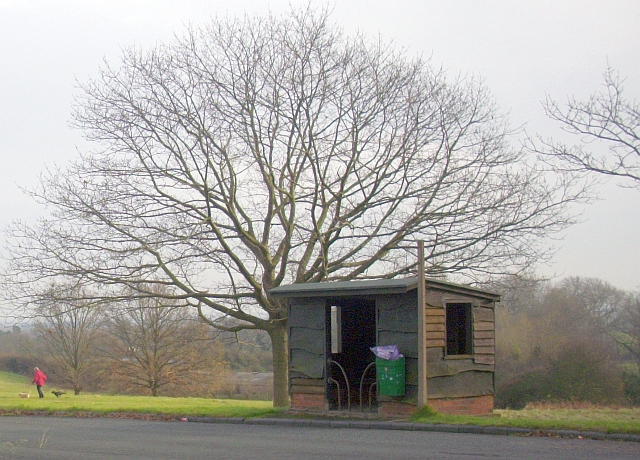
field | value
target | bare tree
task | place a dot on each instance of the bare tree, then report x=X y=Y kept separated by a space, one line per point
x=518 y=292
x=607 y=116
x=154 y=345
x=67 y=331
x=257 y=152
x=599 y=298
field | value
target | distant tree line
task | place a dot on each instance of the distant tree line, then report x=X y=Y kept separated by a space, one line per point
x=146 y=346
x=576 y=340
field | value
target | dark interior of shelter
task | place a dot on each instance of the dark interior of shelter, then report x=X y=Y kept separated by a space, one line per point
x=351 y=327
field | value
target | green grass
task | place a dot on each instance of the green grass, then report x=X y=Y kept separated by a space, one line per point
x=585 y=418
x=13 y=382
x=595 y=418
x=11 y=385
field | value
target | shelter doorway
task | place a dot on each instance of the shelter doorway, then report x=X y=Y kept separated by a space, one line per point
x=351 y=331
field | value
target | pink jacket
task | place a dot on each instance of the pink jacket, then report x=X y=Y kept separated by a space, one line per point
x=39 y=378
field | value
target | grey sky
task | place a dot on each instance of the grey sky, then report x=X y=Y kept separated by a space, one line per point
x=522 y=49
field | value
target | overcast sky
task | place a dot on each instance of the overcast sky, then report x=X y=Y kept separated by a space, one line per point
x=522 y=49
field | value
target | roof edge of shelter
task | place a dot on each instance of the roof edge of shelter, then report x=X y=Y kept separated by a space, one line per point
x=373 y=287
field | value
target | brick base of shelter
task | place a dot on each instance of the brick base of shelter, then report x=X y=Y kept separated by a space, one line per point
x=478 y=405
x=302 y=401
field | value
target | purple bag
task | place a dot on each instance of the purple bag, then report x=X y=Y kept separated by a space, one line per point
x=389 y=352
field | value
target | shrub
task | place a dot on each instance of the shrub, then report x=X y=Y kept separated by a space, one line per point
x=631 y=382
x=19 y=364
x=578 y=372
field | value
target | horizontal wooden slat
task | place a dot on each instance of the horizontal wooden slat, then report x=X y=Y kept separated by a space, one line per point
x=406 y=342
x=431 y=335
x=434 y=343
x=485 y=359
x=308 y=382
x=484 y=350
x=484 y=334
x=310 y=340
x=434 y=319
x=484 y=343
x=434 y=311
x=304 y=389
x=464 y=384
x=434 y=327
x=484 y=326
x=483 y=314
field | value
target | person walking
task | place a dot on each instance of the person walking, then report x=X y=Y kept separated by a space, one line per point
x=39 y=378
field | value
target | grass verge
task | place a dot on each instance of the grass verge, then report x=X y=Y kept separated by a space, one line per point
x=588 y=418
x=549 y=417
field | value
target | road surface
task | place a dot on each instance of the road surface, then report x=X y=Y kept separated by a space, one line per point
x=54 y=438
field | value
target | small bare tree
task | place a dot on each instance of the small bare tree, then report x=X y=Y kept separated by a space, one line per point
x=256 y=152
x=67 y=332
x=155 y=344
x=607 y=116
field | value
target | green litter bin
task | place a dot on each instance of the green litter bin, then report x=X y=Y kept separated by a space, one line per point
x=390 y=376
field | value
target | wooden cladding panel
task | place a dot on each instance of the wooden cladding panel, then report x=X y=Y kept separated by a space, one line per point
x=434 y=327
x=434 y=319
x=463 y=384
x=484 y=335
x=306 y=363
x=485 y=359
x=307 y=338
x=432 y=335
x=307 y=382
x=307 y=390
x=481 y=314
x=435 y=343
x=307 y=386
x=484 y=350
x=484 y=326
x=407 y=342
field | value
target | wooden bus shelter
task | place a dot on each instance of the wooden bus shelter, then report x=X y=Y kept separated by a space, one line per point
x=333 y=325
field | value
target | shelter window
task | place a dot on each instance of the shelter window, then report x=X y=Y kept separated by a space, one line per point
x=459 y=328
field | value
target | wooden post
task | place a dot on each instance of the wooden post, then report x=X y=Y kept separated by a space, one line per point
x=422 y=340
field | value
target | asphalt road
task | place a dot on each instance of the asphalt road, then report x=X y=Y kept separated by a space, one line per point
x=54 y=438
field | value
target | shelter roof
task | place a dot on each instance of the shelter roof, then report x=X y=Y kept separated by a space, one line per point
x=375 y=287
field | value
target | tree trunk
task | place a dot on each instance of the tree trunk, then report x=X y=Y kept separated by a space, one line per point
x=280 y=349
